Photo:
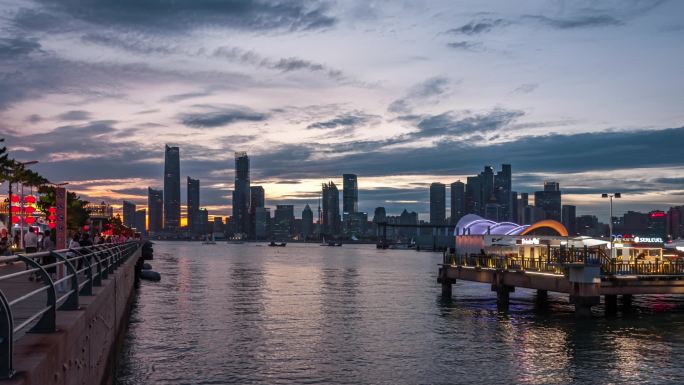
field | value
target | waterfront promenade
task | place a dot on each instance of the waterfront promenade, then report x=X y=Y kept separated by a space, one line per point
x=65 y=330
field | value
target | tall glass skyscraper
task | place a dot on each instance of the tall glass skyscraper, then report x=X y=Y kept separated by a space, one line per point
x=350 y=194
x=129 y=214
x=458 y=201
x=193 y=205
x=241 y=194
x=172 y=188
x=155 y=204
x=331 y=209
x=437 y=203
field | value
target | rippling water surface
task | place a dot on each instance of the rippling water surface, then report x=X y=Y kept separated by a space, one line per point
x=306 y=314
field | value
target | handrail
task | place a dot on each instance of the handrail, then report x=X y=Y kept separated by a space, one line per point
x=84 y=267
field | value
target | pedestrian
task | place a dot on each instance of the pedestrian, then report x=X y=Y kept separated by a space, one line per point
x=30 y=241
x=49 y=245
x=4 y=245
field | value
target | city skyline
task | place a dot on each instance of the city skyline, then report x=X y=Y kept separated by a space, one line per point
x=436 y=91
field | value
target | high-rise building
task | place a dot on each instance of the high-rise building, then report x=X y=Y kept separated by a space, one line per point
x=307 y=222
x=458 y=201
x=257 y=198
x=473 y=193
x=155 y=207
x=437 y=203
x=129 y=214
x=350 y=194
x=172 y=194
x=283 y=222
x=193 y=206
x=569 y=219
x=262 y=223
x=657 y=224
x=502 y=192
x=241 y=194
x=549 y=200
x=141 y=221
x=203 y=222
x=523 y=202
x=330 y=218
x=487 y=185
x=514 y=207
x=675 y=222
x=379 y=215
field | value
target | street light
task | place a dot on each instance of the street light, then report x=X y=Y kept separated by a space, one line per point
x=610 y=222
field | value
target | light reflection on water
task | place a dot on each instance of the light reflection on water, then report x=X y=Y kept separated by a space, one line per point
x=353 y=314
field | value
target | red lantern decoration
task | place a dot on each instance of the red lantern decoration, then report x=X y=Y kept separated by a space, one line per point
x=86 y=228
x=16 y=209
x=52 y=218
x=29 y=209
x=30 y=199
x=52 y=225
x=15 y=219
x=29 y=220
x=15 y=198
x=52 y=210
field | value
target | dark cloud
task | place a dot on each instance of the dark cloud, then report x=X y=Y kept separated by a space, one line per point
x=526 y=88
x=465 y=45
x=583 y=21
x=421 y=93
x=457 y=124
x=477 y=27
x=34 y=118
x=74 y=115
x=179 y=16
x=349 y=120
x=14 y=47
x=188 y=95
x=212 y=116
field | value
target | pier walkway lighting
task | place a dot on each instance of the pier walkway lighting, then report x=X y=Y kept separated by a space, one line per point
x=610 y=221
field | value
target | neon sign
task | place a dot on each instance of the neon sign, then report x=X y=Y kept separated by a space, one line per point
x=529 y=241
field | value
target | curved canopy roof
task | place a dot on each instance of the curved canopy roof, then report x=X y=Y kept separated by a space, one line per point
x=472 y=224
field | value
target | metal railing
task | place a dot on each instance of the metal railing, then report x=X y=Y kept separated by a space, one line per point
x=41 y=283
x=643 y=268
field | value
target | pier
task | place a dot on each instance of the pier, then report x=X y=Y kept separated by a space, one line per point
x=63 y=313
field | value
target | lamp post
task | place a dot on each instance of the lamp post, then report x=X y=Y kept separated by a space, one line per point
x=610 y=222
x=9 y=221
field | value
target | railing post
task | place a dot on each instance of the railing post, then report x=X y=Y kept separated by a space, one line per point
x=88 y=288
x=47 y=322
x=71 y=302
x=6 y=338
x=97 y=278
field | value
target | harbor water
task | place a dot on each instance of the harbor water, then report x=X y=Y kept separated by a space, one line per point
x=306 y=314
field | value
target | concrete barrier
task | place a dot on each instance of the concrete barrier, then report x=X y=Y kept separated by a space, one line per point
x=84 y=349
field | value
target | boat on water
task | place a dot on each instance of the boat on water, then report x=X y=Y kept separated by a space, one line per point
x=209 y=240
x=273 y=244
x=330 y=243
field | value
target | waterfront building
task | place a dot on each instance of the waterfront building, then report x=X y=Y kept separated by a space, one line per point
x=241 y=194
x=155 y=207
x=193 y=206
x=283 y=222
x=307 y=222
x=262 y=223
x=128 y=214
x=502 y=192
x=350 y=194
x=172 y=200
x=523 y=202
x=330 y=218
x=141 y=221
x=218 y=226
x=437 y=203
x=408 y=218
x=487 y=186
x=569 y=218
x=494 y=212
x=257 y=198
x=473 y=194
x=514 y=207
x=549 y=200
x=379 y=215
x=203 y=222
x=457 y=201
x=675 y=222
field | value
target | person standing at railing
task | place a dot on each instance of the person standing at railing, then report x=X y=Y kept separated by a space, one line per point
x=30 y=241
x=48 y=245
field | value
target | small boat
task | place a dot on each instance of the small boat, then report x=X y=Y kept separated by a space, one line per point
x=281 y=244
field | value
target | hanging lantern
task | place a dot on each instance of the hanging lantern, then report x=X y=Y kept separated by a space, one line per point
x=30 y=220
x=86 y=228
x=52 y=217
x=15 y=219
x=29 y=209
x=30 y=199
x=53 y=210
x=15 y=198
x=16 y=209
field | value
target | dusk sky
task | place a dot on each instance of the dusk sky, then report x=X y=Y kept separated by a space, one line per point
x=402 y=93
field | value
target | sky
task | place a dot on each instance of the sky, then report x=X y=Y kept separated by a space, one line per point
x=402 y=93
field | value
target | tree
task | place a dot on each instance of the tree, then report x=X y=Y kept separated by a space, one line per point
x=77 y=213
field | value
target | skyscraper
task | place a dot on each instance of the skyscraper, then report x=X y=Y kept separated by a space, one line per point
x=257 y=197
x=241 y=194
x=307 y=222
x=549 y=200
x=569 y=219
x=172 y=188
x=283 y=222
x=331 y=209
x=437 y=203
x=141 y=221
x=155 y=207
x=128 y=214
x=193 y=205
x=457 y=201
x=502 y=192
x=473 y=193
x=350 y=194
x=487 y=186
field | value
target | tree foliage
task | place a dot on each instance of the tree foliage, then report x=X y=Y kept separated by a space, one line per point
x=77 y=213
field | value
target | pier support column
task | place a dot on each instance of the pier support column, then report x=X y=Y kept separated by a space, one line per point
x=503 y=296
x=542 y=296
x=445 y=281
x=611 y=304
x=627 y=301
x=586 y=287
